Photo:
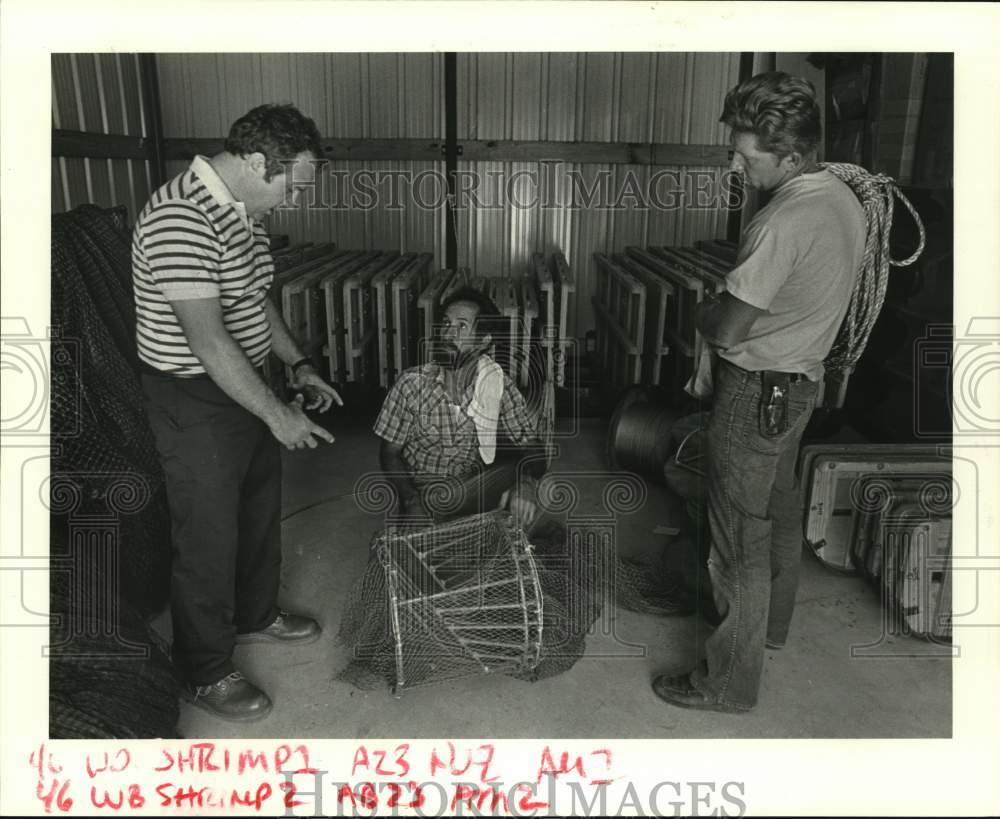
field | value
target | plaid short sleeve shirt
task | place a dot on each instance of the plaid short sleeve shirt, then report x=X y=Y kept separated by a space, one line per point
x=437 y=436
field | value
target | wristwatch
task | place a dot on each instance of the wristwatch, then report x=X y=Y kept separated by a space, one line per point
x=301 y=363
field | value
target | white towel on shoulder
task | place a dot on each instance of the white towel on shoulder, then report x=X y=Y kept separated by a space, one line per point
x=484 y=409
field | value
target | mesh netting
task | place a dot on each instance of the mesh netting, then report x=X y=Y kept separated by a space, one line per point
x=466 y=598
x=650 y=590
x=107 y=677
x=99 y=426
x=109 y=673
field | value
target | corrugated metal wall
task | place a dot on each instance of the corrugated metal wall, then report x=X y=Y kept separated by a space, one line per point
x=98 y=93
x=600 y=97
x=370 y=96
x=615 y=97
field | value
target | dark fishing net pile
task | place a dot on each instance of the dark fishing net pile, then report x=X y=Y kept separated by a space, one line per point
x=465 y=598
x=647 y=589
x=102 y=442
x=109 y=673
x=110 y=527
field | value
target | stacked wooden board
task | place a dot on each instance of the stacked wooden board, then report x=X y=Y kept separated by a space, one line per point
x=884 y=511
x=355 y=311
x=645 y=303
x=369 y=315
x=297 y=272
x=405 y=329
x=556 y=291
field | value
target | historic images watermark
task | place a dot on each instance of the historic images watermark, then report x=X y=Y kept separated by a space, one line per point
x=542 y=797
x=965 y=368
x=28 y=357
x=25 y=359
x=45 y=411
x=548 y=185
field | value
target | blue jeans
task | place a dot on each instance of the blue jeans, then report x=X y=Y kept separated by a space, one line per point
x=755 y=524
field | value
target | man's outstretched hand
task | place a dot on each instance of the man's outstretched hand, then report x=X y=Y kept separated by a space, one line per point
x=318 y=395
x=293 y=428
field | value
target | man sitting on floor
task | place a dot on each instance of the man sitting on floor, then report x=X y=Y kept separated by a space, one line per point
x=439 y=426
x=457 y=441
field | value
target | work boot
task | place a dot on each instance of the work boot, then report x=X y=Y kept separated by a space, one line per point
x=232 y=698
x=678 y=691
x=286 y=628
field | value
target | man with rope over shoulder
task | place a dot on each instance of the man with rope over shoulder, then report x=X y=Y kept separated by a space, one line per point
x=771 y=330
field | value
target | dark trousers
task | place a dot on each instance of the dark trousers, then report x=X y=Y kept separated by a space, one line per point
x=480 y=491
x=450 y=498
x=223 y=479
x=755 y=520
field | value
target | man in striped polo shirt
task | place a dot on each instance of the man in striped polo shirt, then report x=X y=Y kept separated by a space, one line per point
x=201 y=270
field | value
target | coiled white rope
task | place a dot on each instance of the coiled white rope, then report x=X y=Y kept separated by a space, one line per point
x=877 y=193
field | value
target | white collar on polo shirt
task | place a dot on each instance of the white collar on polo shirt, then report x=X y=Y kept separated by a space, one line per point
x=219 y=190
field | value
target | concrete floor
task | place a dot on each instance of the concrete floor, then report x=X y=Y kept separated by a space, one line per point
x=814 y=687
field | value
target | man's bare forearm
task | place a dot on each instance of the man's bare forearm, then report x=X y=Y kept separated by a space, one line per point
x=224 y=360
x=707 y=319
x=282 y=343
x=228 y=366
x=724 y=320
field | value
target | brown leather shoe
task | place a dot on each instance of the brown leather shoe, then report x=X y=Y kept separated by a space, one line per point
x=232 y=698
x=286 y=628
x=679 y=691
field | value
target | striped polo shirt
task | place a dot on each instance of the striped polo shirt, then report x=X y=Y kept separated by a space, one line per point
x=194 y=241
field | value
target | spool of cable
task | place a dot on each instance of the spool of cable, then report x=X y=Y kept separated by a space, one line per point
x=639 y=435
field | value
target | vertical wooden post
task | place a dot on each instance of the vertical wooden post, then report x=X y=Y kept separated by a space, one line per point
x=154 y=117
x=870 y=154
x=451 y=155
x=734 y=223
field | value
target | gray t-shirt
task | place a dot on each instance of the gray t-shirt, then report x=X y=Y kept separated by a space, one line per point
x=798 y=259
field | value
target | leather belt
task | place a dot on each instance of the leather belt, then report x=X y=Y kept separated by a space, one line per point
x=147 y=369
x=793 y=378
